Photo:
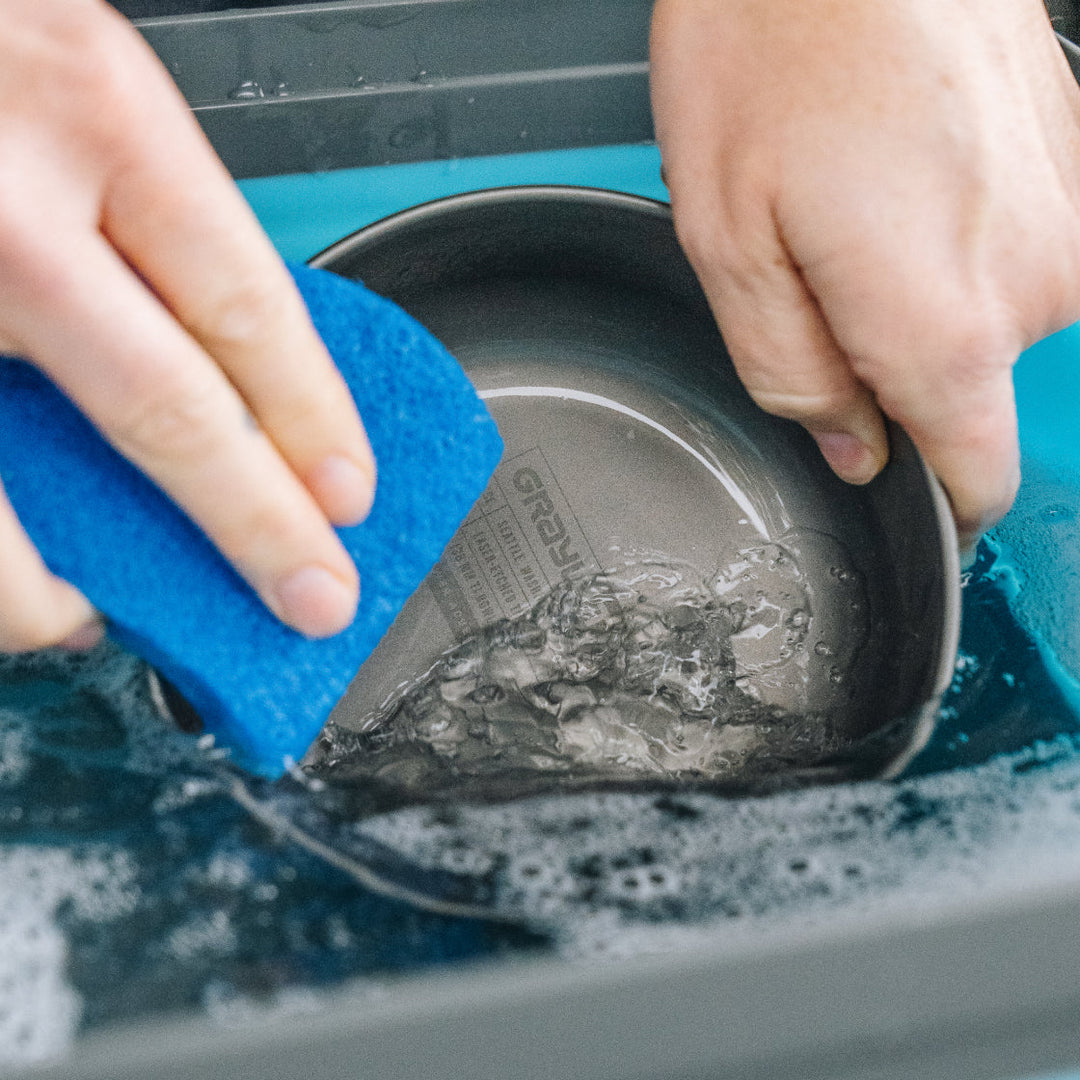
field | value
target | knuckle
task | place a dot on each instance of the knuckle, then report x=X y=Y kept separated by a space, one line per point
x=176 y=422
x=241 y=317
x=260 y=530
x=972 y=335
x=266 y=534
x=951 y=341
x=804 y=406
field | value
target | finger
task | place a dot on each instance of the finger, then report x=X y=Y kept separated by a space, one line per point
x=786 y=355
x=968 y=436
x=175 y=214
x=153 y=392
x=933 y=339
x=37 y=609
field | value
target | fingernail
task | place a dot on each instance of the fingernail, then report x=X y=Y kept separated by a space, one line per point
x=316 y=602
x=84 y=639
x=343 y=489
x=848 y=456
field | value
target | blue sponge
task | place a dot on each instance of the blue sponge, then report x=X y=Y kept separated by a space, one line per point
x=262 y=689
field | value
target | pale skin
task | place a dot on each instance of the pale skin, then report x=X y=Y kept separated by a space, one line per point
x=881 y=201
x=133 y=273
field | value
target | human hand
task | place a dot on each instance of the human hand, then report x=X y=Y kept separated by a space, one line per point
x=133 y=274
x=881 y=202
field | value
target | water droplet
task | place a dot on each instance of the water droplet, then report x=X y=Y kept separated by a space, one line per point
x=1058 y=514
x=822 y=649
x=248 y=90
x=281 y=90
x=836 y=676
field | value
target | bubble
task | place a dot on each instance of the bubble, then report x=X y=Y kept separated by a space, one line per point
x=765 y=587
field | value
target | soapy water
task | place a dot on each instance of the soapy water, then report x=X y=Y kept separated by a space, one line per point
x=132 y=883
x=644 y=673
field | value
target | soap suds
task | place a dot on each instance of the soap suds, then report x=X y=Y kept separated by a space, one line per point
x=590 y=868
x=39 y=1010
x=132 y=886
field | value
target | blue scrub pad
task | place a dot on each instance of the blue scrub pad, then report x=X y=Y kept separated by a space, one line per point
x=262 y=689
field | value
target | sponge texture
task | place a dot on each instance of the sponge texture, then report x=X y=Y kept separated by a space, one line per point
x=262 y=689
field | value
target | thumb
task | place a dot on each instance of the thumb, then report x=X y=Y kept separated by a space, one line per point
x=37 y=609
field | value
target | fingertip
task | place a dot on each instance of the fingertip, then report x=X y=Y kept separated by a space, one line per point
x=855 y=444
x=315 y=601
x=975 y=516
x=981 y=489
x=969 y=550
x=344 y=488
x=850 y=457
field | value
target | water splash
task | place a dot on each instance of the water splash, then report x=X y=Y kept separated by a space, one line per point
x=640 y=673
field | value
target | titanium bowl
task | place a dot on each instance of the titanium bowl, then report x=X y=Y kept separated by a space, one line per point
x=633 y=452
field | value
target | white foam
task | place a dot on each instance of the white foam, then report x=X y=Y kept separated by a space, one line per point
x=200 y=936
x=617 y=874
x=39 y=1010
x=14 y=749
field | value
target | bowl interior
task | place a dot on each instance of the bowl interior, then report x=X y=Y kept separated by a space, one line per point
x=662 y=584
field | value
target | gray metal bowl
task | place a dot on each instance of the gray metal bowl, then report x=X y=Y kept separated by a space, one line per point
x=771 y=624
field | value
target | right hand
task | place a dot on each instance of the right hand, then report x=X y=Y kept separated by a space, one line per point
x=882 y=203
x=135 y=276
